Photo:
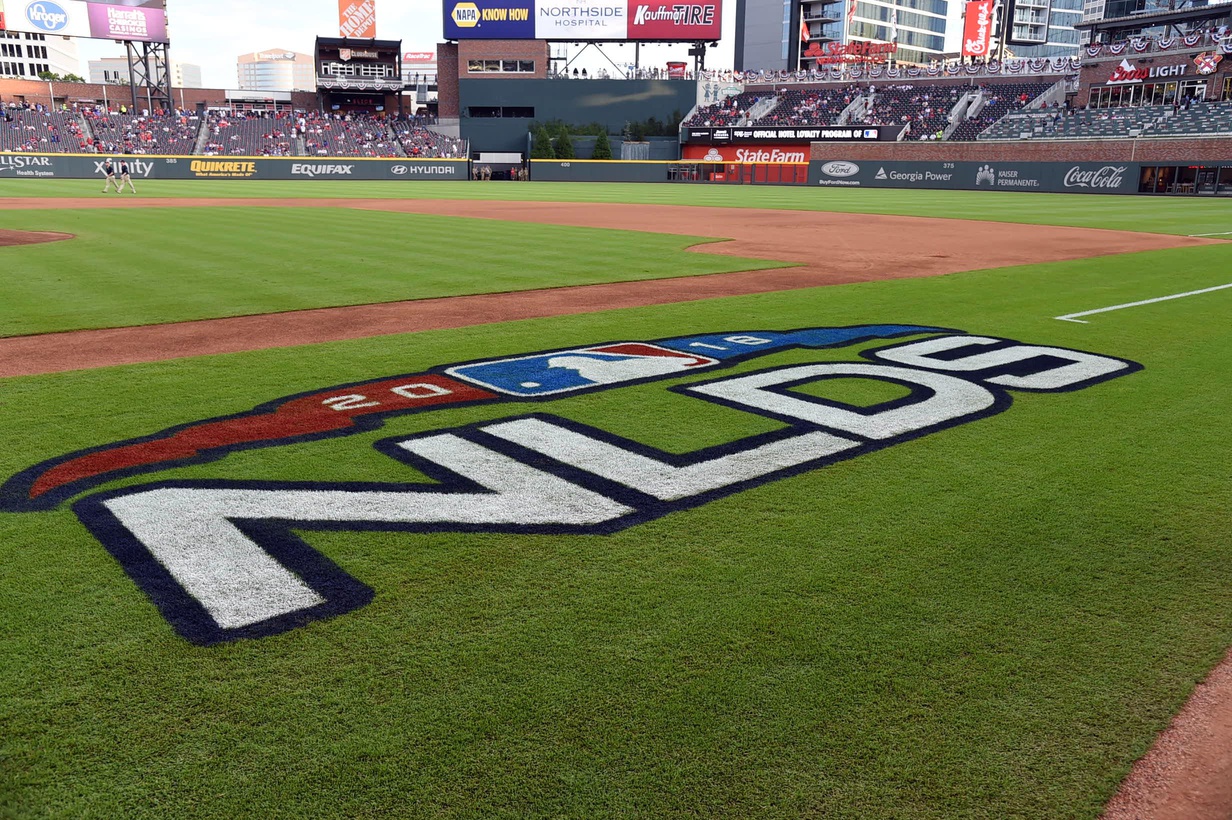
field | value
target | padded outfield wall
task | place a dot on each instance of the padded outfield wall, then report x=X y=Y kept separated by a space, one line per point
x=85 y=166
x=1058 y=166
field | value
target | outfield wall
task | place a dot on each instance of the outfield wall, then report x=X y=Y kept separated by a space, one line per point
x=85 y=166
x=598 y=170
x=1054 y=177
x=1211 y=149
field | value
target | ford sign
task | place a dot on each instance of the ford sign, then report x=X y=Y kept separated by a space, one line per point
x=47 y=16
x=840 y=169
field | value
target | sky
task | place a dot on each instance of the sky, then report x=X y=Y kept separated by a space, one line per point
x=213 y=33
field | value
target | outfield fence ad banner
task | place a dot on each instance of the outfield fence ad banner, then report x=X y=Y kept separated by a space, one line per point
x=745 y=134
x=82 y=166
x=1056 y=177
x=638 y=20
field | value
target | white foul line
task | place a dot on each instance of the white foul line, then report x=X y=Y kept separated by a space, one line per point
x=1219 y=233
x=1069 y=317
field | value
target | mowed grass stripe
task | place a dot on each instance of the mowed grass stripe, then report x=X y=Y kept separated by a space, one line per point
x=1177 y=215
x=991 y=621
x=155 y=266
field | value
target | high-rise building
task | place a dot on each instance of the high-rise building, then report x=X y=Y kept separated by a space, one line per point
x=1044 y=28
x=789 y=34
x=276 y=69
x=26 y=55
x=1163 y=18
x=114 y=71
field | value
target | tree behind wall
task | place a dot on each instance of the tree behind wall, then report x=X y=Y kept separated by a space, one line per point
x=603 y=148
x=564 y=146
x=541 y=145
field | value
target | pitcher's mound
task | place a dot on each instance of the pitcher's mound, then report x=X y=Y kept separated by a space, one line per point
x=9 y=238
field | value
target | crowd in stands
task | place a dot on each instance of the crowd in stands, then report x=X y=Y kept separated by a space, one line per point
x=816 y=106
x=347 y=135
x=419 y=142
x=925 y=111
x=250 y=134
x=35 y=128
x=629 y=73
x=999 y=100
x=729 y=111
x=170 y=132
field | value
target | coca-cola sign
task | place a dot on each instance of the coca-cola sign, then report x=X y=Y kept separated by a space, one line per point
x=1109 y=176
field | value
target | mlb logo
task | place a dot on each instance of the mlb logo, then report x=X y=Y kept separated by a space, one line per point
x=568 y=370
x=870 y=133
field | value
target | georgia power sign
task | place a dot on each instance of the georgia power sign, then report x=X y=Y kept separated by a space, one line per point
x=220 y=558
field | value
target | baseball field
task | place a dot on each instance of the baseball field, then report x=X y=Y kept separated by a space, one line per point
x=330 y=499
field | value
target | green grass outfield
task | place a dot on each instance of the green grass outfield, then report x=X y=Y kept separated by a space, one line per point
x=992 y=620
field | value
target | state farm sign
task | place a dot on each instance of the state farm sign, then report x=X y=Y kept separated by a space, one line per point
x=784 y=154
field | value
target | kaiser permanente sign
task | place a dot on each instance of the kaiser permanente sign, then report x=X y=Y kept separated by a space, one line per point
x=639 y=20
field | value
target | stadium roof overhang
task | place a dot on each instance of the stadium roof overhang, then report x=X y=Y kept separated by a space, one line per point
x=1133 y=22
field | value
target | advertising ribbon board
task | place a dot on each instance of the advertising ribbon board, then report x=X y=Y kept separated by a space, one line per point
x=581 y=20
x=729 y=135
x=357 y=18
x=977 y=29
x=64 y=18
x=148 y=25
x=637 y=20
x=680 y=21
x=489 y=20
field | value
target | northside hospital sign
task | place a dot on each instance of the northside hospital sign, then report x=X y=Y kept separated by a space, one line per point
x=665 y=20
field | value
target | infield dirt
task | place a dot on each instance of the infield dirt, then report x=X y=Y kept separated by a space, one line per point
x=1188 y=772
x=827 y=248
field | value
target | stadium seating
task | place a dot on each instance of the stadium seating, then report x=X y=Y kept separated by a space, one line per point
x=926 y=109
x=421 y=142
x=812 y=106
x=137 y=134
x=1083 y=124
x=41 y=131
x=731 y=111
x=1200 y=119
x=350 y=136
x=251 y=136
x=1000 y=100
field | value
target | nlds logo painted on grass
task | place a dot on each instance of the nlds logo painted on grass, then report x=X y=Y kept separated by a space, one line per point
x=221 y=560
